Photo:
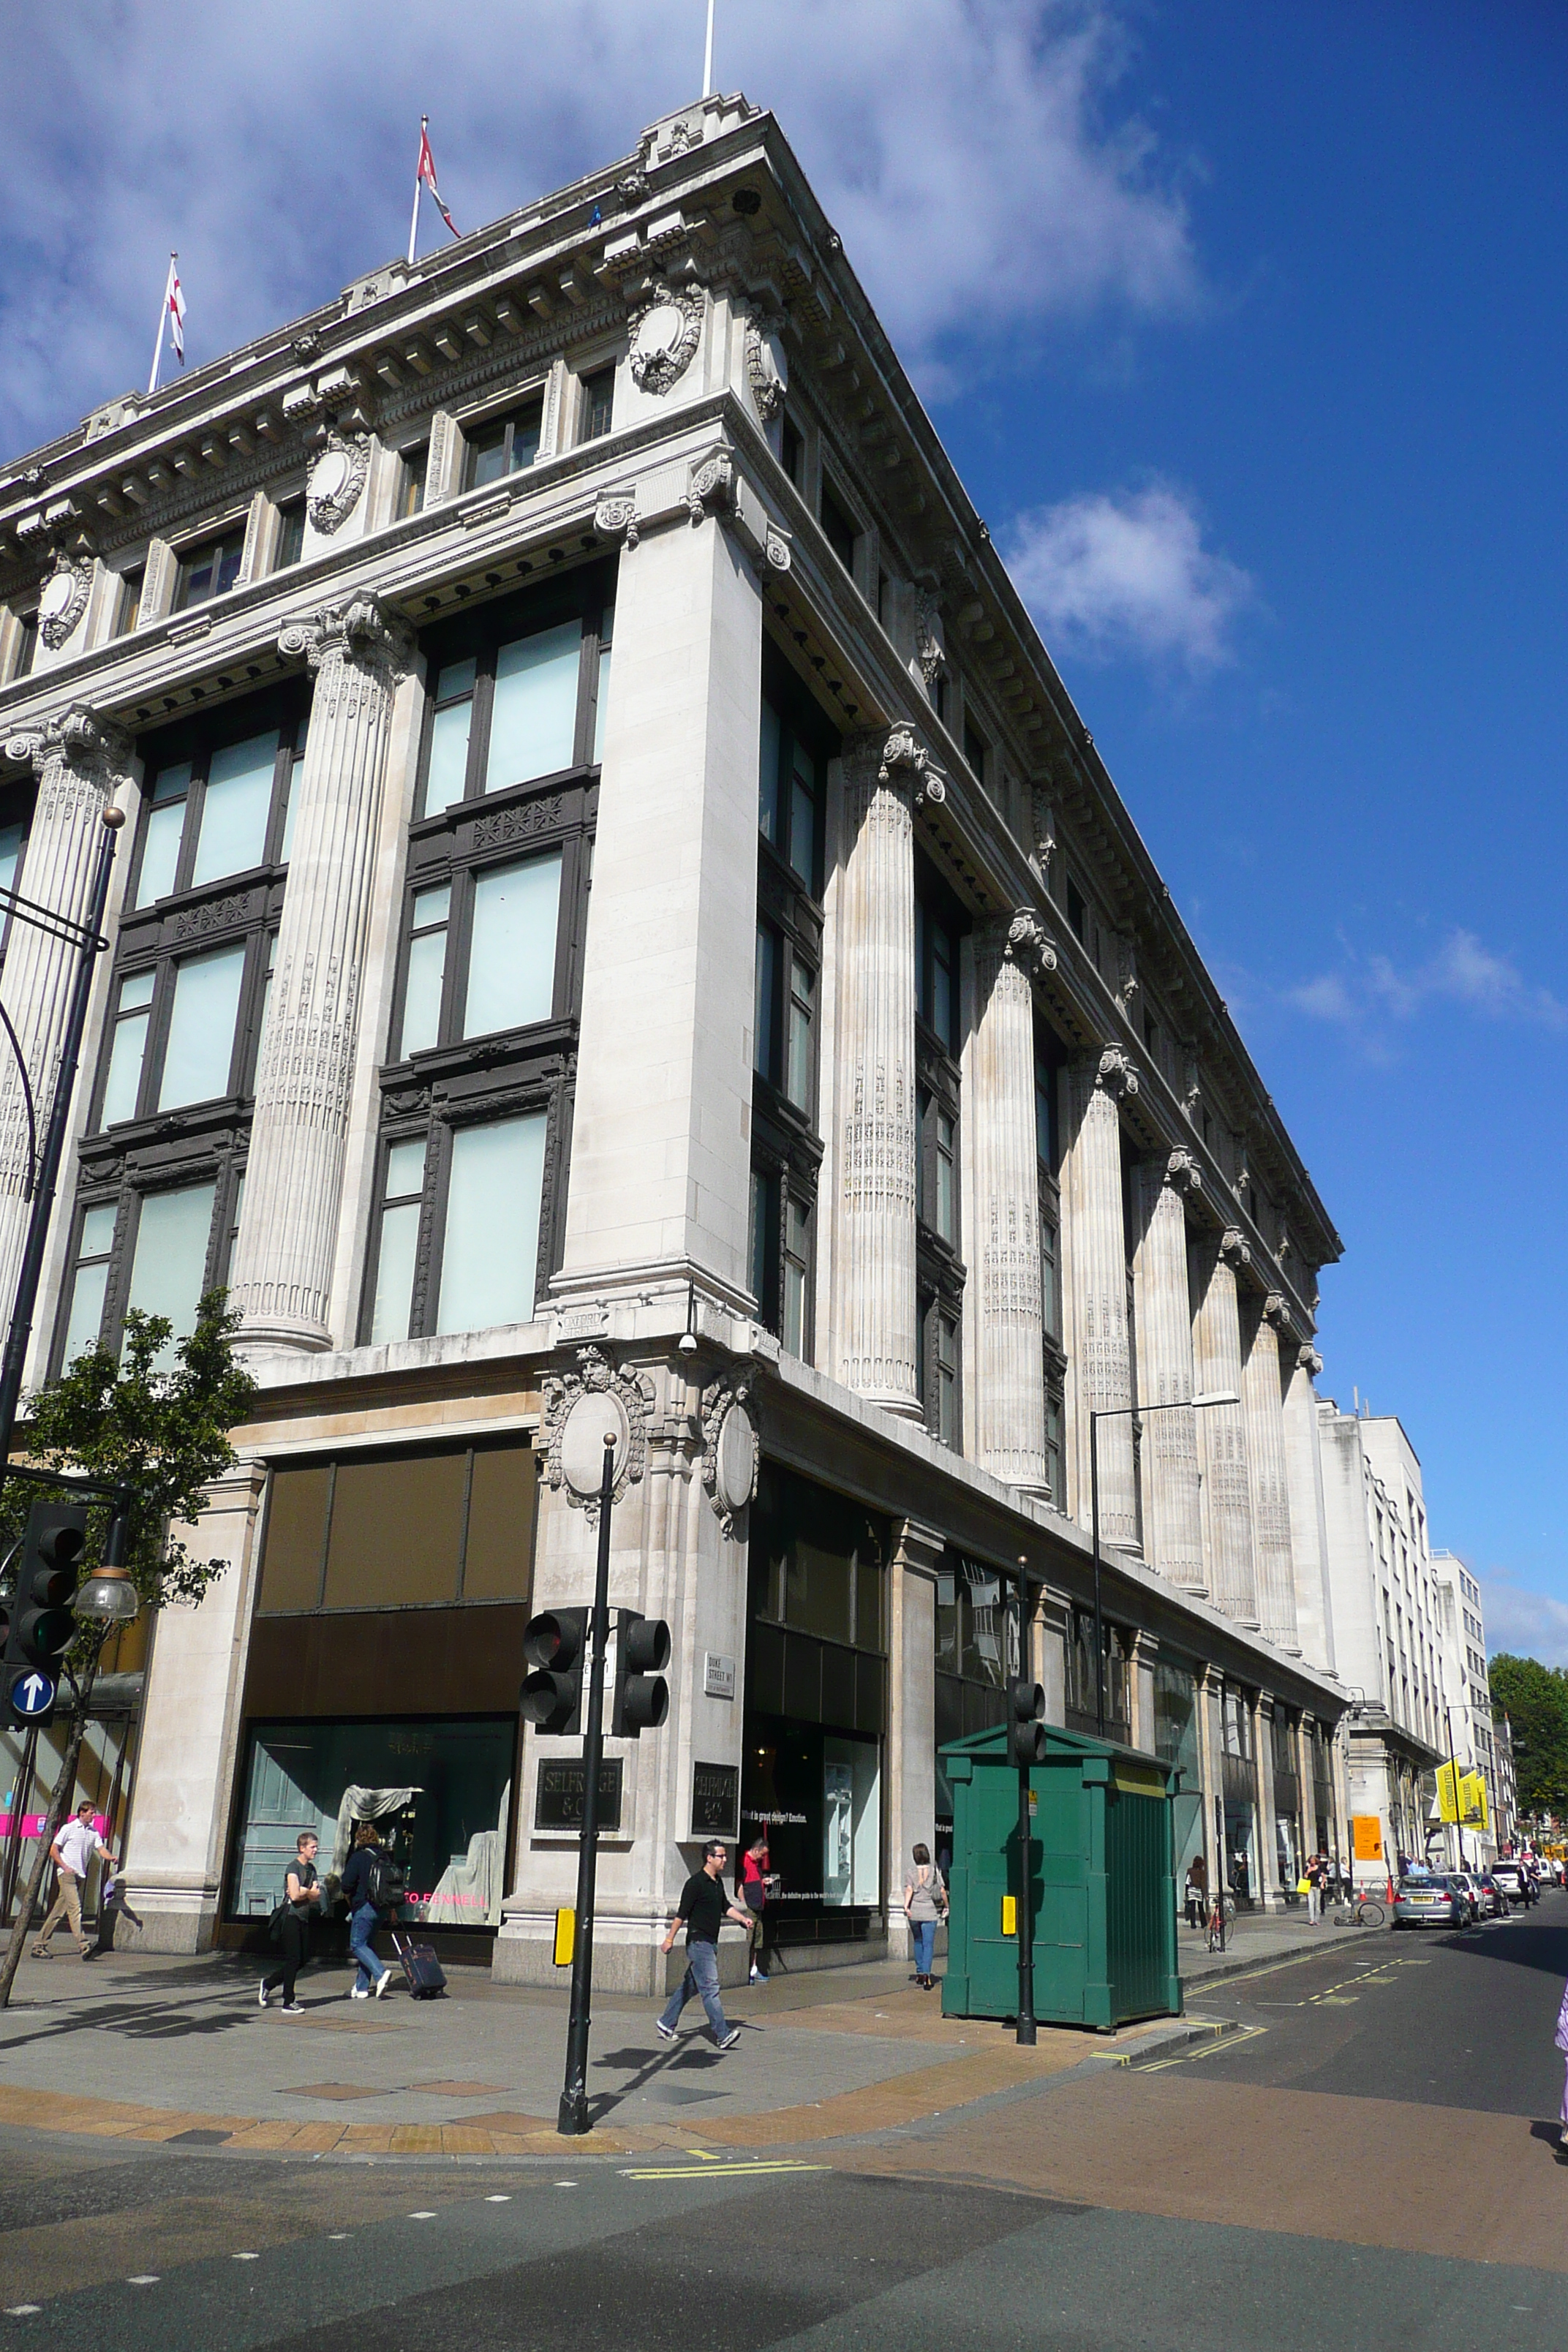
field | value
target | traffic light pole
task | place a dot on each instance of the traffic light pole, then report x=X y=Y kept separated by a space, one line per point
x=572 y=2119
x=90 y=944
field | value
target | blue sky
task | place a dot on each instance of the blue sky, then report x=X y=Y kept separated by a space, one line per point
x=1246 y=328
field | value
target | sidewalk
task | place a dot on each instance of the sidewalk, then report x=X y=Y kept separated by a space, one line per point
x=148 y=2047
x=1255 y=1938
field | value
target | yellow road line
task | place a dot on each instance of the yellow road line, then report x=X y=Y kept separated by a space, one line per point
x=1212 y=2049
x=695 y=2172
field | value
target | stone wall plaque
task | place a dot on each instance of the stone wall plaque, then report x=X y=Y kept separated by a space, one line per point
x=718 y=1675
x=557 y=1794
x=716 y=1800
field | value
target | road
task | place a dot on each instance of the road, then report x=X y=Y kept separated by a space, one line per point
x=1367 y=2158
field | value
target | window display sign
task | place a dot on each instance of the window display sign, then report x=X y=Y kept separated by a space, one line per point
x=558 y=1796
x=715 y=1800
x=439 y=1792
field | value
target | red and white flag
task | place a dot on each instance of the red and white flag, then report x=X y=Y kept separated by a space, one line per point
x=175 y=304
x=427 y=174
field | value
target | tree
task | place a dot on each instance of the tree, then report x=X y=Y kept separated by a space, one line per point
x=160 y=1433
x=1535 y=1700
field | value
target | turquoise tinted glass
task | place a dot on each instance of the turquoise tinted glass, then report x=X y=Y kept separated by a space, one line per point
x=512 y=956
x=533 y=719
x=234 y=810
x=491 y=1253
x=201 y=1028
x=171 y=1239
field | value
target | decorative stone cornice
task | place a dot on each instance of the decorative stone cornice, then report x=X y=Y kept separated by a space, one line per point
x=1183 y=1173
x=731 y=1447
x=1028 y=943
x=1234 y=1248
x=363 y=631
x=632 y=1392
x=1117 y=1075
x=92 y=748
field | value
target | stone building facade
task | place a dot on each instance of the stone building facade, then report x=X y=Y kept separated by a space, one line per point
x=1462 y=1622
x=618 y=902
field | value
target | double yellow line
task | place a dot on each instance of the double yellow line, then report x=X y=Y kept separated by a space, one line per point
x=726 y=2170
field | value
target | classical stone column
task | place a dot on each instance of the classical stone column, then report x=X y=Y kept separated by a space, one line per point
x=1173 y=1514
x=293 y=1189
x=1004 y=1377
x=874 y=1335
x=1094 y=1254
x=1308 y=1529
x=80 y=760
x=1263 y=1402
x=911 y=1695
x=1222 y=1431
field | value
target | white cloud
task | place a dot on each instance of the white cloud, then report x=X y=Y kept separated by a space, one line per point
x=1365 y=994
x=1528 y=1624
x=1106 y=574
x=969 y=156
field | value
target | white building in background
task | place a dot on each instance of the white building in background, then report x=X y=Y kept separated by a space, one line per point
x=787 y=1037
x=1388 y=1637
x=1468 y=1695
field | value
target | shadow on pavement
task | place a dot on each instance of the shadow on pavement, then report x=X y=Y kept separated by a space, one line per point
x=1525 y=1945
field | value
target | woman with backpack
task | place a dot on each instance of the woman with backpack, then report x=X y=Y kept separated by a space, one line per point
x=925 y=1902
x=373 y=1888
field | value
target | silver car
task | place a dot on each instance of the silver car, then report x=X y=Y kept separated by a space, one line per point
x=1430 y=1899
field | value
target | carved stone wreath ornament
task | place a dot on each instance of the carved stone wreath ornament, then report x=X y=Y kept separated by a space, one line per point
x=337 y=479
x=664 y=336
x=631 y=1395
x=732 y=1448
x=64 y=600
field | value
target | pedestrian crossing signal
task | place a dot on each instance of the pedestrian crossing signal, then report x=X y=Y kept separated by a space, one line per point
x=1028 y=1724
x=555 y=1645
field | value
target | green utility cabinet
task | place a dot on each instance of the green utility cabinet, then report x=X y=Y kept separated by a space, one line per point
x=1101 y=1881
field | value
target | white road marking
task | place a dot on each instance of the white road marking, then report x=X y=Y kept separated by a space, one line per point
x=143 y=2278
x=422 y=2217
x=498 y=2200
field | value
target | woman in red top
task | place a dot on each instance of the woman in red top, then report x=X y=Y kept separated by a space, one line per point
x=754 y=1894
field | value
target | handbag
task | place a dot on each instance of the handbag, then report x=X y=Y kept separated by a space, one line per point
x=275 y=1924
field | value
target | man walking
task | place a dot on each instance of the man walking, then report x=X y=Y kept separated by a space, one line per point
x=72 y=1853
x=301 y=1904
x=704 y=1907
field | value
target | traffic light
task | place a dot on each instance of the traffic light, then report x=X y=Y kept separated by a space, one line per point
x=41 y=1625
x=642 y=1694
x=1028 y=1724
x=554 y=1646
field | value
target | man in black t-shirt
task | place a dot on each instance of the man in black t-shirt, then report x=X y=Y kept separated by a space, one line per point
x=704 y=1907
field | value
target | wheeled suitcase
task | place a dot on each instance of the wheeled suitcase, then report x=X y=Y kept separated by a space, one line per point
x=425 y=1977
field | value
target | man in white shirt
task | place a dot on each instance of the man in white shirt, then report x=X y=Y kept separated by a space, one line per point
x=72 y=1853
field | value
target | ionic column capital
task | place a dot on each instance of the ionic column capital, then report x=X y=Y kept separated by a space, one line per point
x=364 y=630
x=898 y=758
x=1234 y=1248
x=1115 y=1074
x=1183 y=1173
x=92 y=749
x=1308 y=1362
x=1028 y=944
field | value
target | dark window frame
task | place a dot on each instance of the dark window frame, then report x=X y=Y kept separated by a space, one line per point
x=217 y=1160
x=222 y=549
x=597 y=403
x=586 y=595
x=287 y=709
x=476 y=443
x=412 y=479
x=839 y=525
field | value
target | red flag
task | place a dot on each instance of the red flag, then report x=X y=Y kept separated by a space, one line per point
x=426 y=173
x=174 y=296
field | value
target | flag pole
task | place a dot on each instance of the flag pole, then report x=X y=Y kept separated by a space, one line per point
x=414 y=217
x=158 y=346
x=708 y=56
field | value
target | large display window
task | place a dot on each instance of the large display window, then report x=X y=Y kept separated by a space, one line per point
x=976 y=1655
x=440 y=1790
x=816 y=1704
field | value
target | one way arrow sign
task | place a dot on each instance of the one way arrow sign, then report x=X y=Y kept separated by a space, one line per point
x=32 y=1695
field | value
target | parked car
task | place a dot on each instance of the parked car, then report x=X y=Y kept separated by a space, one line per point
x=1430 y=1899
x=1494 y=1902
x=1464 y=1885
x=1511 y=1877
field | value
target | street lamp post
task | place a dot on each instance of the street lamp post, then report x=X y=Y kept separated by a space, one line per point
x=1116 y=1413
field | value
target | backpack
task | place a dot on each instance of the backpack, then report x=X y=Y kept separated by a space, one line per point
x=385 y=1883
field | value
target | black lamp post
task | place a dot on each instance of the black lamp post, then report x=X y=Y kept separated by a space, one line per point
x=1116 y=1413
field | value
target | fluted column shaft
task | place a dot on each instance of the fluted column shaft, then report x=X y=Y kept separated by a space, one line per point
x=289 y=1229
x=1006 y=1377
x=78 y=762
x=874 y=1255
x=1094 y=1254
x=1173 y=1511
x=1221 y=1430
x=1263 y=1401
x=1309 y=1531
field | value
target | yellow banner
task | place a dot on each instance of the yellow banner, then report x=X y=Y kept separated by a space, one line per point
x=1447 y=1804
x=1366 y=1832
x=1473 y=1800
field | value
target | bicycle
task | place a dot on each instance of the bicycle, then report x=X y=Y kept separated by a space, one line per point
x=1222 y=1918
x=1365 y=1911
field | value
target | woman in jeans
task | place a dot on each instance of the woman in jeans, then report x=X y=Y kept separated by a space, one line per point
x=366 y=1915
x=925 y=1901
x=302 y=1894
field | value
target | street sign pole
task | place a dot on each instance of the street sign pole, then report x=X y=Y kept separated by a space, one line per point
x=572 y=2119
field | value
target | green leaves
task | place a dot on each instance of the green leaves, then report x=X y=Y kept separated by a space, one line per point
x=163 y=1433
x=1535 y=1700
